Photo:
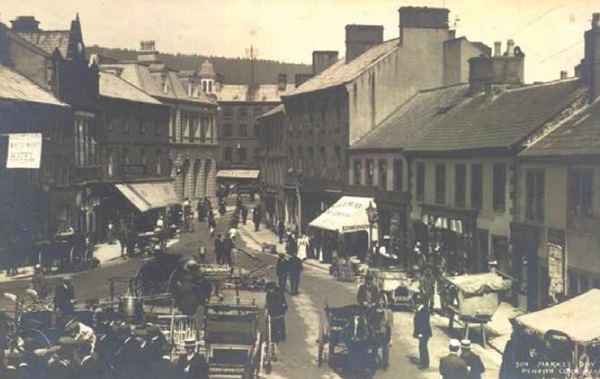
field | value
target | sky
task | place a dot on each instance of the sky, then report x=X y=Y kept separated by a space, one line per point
x=549 y=32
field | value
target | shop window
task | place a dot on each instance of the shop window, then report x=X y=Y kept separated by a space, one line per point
x=397 y=174
x=357 y=172
x=227 y=130
x=440 y=183
x=370 y=166
x=242 y=154
x=500 y=253
x=581 y=189
x=460 y=185
x=484 y=250
x=420 y=182
x=499 y=190
x=382 y=174
x=534 y=195
x=573 y=278
x=158 y=166
x=476 y=185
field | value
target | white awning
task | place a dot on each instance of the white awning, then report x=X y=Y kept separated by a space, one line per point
x=146 y=196
x=238 y=174
x=347 y=215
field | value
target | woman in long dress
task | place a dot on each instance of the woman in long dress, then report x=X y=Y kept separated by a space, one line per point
x=302 y=246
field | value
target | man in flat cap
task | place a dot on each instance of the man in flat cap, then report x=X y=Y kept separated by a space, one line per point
x=453 y=366
x=472 y=360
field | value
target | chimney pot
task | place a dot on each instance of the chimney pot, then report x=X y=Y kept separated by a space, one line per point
x=25 y=24
x=360 y=38
x=510 y=48
x=281 y=82
x=497 y=48
x=321 y=60
x=595 y=20
x=563 y=74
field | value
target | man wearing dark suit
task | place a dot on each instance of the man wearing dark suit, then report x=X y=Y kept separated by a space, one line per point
x=219 y=249
x=452 y=366
x=92 y=366
x=191 y=365
x=472 y=360
x=281 y=269
x=64 y=297
x=294 y=269
x=227 y=247
x=422 y=331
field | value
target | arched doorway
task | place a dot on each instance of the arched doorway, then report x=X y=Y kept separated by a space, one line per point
x=196 y=192
x=207 y=168
x=185 y=174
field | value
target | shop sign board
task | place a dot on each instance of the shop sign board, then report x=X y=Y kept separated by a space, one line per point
x=24 y=150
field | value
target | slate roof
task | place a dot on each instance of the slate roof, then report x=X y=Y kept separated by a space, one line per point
x=141 y=76
x=341 y=72
x=243 y=93
x=579 y=135
x=499 y=123
x=114 y=87
x=16 y=87
x=414 y=118
x=48 y=40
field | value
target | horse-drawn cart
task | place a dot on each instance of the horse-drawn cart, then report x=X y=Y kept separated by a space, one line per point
x=356 y=330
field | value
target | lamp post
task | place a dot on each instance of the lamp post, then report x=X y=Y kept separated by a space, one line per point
x=372 y=216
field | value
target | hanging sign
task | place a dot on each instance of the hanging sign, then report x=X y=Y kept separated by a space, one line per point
x=555 y=270
x=24 y=150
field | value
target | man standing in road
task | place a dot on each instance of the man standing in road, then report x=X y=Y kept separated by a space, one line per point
x=281 y=269
x=472 y=360
x=294 y=269
x=219 y=249
x=64 y=298
x=280 y=230
x=256 y=218
x=244 y=214
x=422 y=331
x=452 y=366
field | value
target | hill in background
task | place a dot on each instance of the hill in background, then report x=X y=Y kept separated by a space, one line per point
x=234 y=70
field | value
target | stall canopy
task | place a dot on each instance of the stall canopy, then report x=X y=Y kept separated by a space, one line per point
x=147 y=196
x=479 y=284
x=577 y=317
x=347 y=215
x=238 y=174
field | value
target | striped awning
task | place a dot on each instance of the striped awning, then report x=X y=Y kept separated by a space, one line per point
x=147 y=196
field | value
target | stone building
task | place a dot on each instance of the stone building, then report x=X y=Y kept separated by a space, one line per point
x=237 y=127
x=354 y=94
x=193 y=148
x=56 y=61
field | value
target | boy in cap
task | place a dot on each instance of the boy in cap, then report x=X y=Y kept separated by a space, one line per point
x=191 y=365
x=472 y=360
x=453 y=366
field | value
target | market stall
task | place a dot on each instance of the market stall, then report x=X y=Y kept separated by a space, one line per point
x=473 y=298
x=566 y=335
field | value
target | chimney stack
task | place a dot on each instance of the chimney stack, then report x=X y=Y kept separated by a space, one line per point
x=321 y=60
x=301 y=78
x=422 y=18
x=360 y=38
x=281 y=82
x=590 y=66
x=563 y=75
x=497 y=48
x=147 y=52
x=25 y=24
x=497 y=70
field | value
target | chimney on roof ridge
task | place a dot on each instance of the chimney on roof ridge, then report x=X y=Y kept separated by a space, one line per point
x=147 y=52
x=321 y=60
x=563 y=75
x=423 y=18
x=281 y=82
x=360 y=38
x=590 y=65
x=301 y=78
x=505 y=69
x=25 y=24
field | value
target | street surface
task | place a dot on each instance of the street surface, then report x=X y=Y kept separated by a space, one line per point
x=297 y=355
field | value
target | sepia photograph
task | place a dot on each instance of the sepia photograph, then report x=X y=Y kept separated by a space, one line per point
x=299 y=189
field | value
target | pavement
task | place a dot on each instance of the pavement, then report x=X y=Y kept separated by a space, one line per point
x=498 y=330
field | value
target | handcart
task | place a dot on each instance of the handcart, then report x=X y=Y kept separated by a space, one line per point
x=356 y=330
x=236 y=341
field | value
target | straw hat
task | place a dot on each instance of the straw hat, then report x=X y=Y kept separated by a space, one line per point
x=465 y=344
x=190 y=343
